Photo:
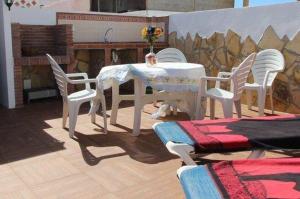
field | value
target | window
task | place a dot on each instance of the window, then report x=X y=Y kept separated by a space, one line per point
x=117 y=5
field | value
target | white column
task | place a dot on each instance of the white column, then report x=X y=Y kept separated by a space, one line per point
x=7 y=83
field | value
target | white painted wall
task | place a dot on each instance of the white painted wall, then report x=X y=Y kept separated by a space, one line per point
x=7 y=89
x=68 y=5
x=33 y=16
x=284 y=18
x=188 y=5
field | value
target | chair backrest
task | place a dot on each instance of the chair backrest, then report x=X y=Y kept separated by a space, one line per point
x=240 y=75
x=171 y=55
x=60 y=76
x=267 y=60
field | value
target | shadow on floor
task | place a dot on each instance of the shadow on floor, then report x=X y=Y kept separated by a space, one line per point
x=25 y=133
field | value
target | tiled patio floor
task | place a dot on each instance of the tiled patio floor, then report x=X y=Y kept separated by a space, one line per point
x=39 y=160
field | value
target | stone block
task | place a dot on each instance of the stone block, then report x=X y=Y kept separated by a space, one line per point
x=289 y=58
x=249 y=46
x=217 y=40
x=204 y=43
x=214 y=71
x=188 y=45
x=293 y=109
x=204 y=58
x=195 y=58
x=233 y=42
x=180 y=44
x=285 y=39
x=172 y=39
x=296 y=98
x=221 y=56
x=270 y=40
x=290 y=71
x=293 y=45
x=282 y=92
x=197 y=42
x=282 y=77
x=297 y=73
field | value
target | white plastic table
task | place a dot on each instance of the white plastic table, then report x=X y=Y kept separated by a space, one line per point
x=178 y=81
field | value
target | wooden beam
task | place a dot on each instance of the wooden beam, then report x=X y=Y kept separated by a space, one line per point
x=107 y=56
x=246 y=3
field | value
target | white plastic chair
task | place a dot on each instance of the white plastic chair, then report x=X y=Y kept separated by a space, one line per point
x=237 y=78
x=170 y=55
x=72 y=102
x=265 y=69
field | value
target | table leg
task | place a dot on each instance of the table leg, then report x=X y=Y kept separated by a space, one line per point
x=201 y=105
x=138 y=105
x=115 y=103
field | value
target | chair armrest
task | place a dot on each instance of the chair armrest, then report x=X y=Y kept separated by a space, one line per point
x=203 y=83
x=276 y=71
x=222 y=79
x=233 y=69
x=85 y=79
x=267 y=77
x=84 y=75
x=82 y=81
x=222 y=75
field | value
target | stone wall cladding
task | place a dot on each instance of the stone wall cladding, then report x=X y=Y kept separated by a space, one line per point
x=221 y=52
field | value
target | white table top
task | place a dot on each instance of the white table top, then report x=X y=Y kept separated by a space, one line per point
x=162 y=76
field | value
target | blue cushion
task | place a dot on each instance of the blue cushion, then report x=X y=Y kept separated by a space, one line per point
x=198 y=184
x=170 y=131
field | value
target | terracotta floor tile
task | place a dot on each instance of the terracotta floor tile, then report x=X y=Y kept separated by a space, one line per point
x=9 y=181
x=42 y=171
x=73 y=186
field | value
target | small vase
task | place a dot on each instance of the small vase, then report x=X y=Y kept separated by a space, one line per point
x=150 y=58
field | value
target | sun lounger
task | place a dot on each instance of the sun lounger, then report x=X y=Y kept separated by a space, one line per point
x=242 y=179
x=230 y=135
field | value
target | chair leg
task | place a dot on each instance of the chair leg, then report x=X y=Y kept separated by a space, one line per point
x=93 y=118
x=261 y=102
x=271 y=100
x=168 y=108
x=154 y=93
x=94 y=102
x=212 y=108
x=249 y=99
x=73 y=113
x=115 y=103
x=104 y=114
x=65 y=114
x=174 y=109
x=238 y=108
x=227 y=108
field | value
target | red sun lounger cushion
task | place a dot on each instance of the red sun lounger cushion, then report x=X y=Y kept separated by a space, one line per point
x=244 y=179
x=273 y=132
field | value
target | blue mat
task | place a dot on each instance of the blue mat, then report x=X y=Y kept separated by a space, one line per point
x=198 y=184
x=171 y=131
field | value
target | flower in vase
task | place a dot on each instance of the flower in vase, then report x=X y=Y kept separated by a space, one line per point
x=151 y=34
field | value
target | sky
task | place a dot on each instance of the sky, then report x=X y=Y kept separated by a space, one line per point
x=239 y=3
